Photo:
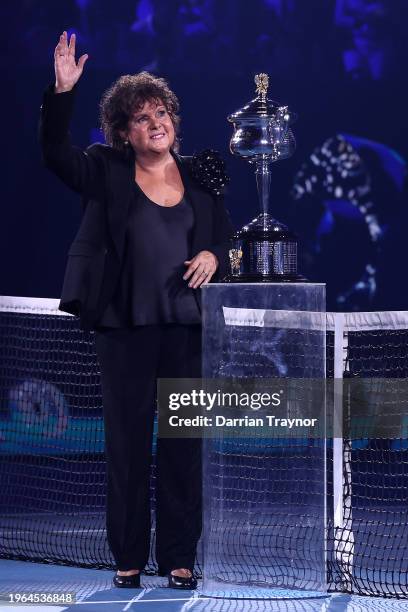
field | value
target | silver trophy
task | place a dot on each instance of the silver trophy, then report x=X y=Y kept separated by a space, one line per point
x=265 y=249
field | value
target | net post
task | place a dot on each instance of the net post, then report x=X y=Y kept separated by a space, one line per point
x=342 y=511
x=338 y=413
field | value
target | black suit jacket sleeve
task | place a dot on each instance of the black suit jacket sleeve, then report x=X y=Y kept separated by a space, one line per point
x=222 y=231
x=80 y=170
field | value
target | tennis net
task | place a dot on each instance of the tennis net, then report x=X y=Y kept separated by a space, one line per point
x=52 y=469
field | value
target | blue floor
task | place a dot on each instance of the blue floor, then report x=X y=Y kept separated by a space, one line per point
x=94 y=592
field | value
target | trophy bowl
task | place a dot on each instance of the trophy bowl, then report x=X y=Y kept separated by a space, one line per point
x=264 y=250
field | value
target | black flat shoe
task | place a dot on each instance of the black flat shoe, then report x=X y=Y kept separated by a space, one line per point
x=179 y=582
x=127 y=582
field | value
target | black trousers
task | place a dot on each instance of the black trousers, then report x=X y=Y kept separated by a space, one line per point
x=130 y=361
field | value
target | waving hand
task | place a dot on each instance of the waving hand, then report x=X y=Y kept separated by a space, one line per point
x=67 y=71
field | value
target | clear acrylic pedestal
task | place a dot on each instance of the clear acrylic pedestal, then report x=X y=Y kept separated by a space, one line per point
x=264 y=509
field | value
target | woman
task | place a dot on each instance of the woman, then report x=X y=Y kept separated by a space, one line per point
x=154 y=230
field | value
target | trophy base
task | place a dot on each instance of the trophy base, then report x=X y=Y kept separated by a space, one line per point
x=265 y=278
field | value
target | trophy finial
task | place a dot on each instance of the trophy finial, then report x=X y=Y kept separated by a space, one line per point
x=262 y=84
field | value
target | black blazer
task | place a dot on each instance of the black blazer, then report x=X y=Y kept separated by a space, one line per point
x=104 y=177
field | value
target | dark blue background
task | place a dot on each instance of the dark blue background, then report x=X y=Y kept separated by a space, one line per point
x=340 y=64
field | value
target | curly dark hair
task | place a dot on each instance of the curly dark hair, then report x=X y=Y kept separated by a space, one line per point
x=127 y=95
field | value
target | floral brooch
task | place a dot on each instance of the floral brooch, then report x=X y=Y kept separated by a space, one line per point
x=208 y=169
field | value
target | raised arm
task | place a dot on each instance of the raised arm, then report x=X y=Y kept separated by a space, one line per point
x=80 y=170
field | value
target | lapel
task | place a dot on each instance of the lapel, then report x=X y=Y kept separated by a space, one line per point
x=122 y=176
x=201 y=203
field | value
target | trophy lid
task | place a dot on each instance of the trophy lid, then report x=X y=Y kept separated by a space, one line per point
x=261 y=106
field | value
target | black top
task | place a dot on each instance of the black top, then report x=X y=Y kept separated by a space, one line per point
x=151 y=289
